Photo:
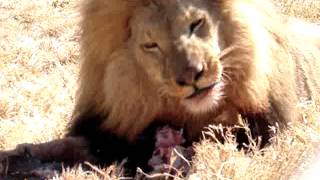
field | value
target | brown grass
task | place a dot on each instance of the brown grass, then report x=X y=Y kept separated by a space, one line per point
x=283 y=159
x=307 y=9
x=39 y=54
x=38 y=71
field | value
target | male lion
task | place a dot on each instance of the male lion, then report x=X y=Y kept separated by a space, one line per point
x=186 y=63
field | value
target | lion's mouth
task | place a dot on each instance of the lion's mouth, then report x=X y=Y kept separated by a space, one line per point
x=198 y=93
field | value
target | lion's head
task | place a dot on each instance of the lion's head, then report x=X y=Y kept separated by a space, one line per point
x=177 y=46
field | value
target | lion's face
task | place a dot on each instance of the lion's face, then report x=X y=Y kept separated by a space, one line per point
x=176 y=43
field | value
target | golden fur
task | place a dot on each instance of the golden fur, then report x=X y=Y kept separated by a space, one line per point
x=259 y=65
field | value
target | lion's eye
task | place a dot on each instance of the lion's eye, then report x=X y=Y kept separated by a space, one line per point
x=150 y=46
x=195 y=25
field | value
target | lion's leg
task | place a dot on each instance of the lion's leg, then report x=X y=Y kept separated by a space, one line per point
x=68 y=149
x=108 y=147
x=25 y=159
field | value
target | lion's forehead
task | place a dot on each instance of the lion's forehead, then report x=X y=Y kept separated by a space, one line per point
x=172 y=18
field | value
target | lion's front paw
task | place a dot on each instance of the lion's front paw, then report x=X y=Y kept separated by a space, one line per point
x=4 y=157
x=17 y=160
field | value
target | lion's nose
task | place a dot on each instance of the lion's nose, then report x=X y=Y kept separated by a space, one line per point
x=190 y=74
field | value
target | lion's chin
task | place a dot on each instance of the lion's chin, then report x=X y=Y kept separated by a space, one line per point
x=204 y=100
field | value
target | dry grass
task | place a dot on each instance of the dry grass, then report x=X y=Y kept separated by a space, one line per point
x=38 y=70
x=307 y=9
x=283 y=159
x=109 y=173
x=39 y=54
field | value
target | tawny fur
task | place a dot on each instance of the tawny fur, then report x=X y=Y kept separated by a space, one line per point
x=266 y=67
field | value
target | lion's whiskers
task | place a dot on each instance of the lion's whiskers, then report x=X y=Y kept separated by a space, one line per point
x=226 y=51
